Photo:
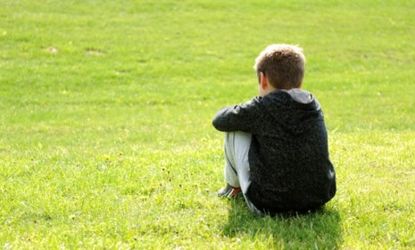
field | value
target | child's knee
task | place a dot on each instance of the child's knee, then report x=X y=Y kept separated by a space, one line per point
x=242 y=138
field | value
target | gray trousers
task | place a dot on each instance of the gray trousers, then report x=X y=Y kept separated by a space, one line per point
x=237 y=173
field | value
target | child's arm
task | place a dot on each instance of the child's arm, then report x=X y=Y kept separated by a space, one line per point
x=241 y=117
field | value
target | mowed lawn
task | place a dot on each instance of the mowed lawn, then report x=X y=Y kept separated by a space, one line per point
x=105 y=124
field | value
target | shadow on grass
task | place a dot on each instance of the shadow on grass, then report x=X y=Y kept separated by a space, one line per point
x=318 y=230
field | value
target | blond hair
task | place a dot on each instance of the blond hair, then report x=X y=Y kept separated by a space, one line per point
x=283 y=64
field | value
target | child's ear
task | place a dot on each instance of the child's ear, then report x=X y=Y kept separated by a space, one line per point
x=263 y=81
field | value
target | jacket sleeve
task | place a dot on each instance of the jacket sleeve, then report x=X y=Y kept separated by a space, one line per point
x=241 y=117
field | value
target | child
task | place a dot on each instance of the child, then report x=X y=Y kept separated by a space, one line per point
x=276 y=149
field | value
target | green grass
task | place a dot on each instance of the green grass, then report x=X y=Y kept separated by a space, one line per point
x=105 y=133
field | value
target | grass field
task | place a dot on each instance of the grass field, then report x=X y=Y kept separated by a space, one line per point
x=105 y=124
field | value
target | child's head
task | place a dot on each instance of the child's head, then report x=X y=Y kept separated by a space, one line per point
x=281 y=65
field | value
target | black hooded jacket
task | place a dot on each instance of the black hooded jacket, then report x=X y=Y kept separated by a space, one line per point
x=288 y=157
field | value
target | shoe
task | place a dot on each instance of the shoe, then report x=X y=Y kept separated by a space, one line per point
x=229 y=191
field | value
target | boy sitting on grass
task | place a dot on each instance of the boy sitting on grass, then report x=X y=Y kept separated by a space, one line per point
x=276 y=149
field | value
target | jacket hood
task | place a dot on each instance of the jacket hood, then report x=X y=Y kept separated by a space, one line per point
x=297 y=107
